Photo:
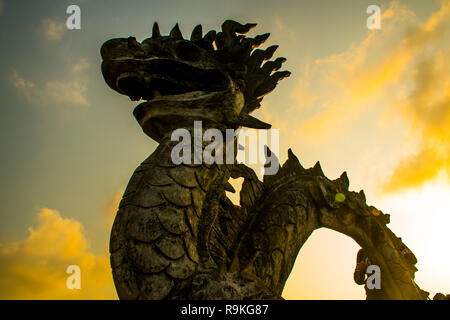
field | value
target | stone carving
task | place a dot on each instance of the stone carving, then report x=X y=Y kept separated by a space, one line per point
x=176 y=234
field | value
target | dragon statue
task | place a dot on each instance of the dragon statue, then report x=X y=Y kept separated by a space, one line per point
x=176 y=235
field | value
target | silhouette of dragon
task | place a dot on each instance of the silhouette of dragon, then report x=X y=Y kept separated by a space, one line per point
x=176 y=235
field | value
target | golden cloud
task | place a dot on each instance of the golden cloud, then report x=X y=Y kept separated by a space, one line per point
x=427 y=108
x=53 y=91
x=35 y=268
x=358 y=78
x=62 y=92
x=403 y=69
x=81 y=65
x=52 y=29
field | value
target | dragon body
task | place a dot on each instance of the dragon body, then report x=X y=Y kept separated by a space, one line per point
x=176 y=234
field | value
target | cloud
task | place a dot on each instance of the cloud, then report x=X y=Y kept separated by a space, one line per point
x=66 y=92
x=52 y=92
x=427 y=108
x=346 y=84
x=81 y=65
x=52 y=29
x=27 y=88
x=401 y=69
x=35 y=268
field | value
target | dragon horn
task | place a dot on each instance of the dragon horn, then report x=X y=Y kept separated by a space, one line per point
x=176 y=33
x=197 y=33
x=155 y=31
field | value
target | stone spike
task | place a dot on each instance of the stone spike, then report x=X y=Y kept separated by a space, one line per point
x=293 y=157
x=362 y=195
x=292 y=162
x=260 y=39
x=270 y=66
x=210 y=36
x=248 y=121
x=317 y=169
x=176 y=33
x=343 y=180
x=270 y=51
x=155 y=31
x=271 y=83
x=249 y=26
x=197 y=33
x=257 y=57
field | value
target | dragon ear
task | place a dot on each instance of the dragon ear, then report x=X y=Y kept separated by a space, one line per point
x=176 y=33
x=155 y=31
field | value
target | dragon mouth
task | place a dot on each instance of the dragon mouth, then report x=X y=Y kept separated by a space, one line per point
x=150 y=88
x=175 y=93
x=158 y=78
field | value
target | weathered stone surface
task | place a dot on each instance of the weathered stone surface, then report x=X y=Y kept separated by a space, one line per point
x=181 y=268
x=155 y=287
x=175 y=223
x=146 y=258
x=191 y=248
x=117 y=257
x=184 y=176
x=173 y=220
x=178 y=196
x=171 y=246
x=145 y=225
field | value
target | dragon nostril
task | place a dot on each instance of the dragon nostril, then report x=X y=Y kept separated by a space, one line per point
x=188 y=52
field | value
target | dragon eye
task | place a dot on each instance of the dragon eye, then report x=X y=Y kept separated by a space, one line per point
x=188 y=52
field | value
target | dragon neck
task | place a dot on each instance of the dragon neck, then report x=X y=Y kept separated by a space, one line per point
x=160 y=184
x=293 y=207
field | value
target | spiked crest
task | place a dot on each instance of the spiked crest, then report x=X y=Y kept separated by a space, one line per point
x=248 y=66
x=216 y=77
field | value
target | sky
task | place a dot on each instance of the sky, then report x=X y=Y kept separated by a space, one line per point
x=374 y=103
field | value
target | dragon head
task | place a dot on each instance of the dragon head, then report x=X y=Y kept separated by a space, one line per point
x=218 y=78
